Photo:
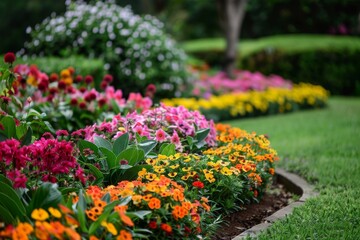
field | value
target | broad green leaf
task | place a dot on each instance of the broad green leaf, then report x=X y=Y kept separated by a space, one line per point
x=115 y=107
x=202 y=134
x=101 y=142
x=121 y=143
x=27 y=138
x=110 y=157
x=83 y=144
x=139 y=214
x=10 y=192
x=132 y=173
x=81 y=207
x=33 y=112
x=168 y=150
x=95 y=171
x=147 y=146
x=190 y=140
x=21 y=130
x=66 y=190
x=10 y=204
x=4 y=179
x=48 y=125
x=44 y=197
x=106 y=197
x=164 y=145
x=9 y=127
x=6 y=216
x=132 y=155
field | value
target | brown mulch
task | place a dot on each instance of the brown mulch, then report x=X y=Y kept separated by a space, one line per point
x=276 y=198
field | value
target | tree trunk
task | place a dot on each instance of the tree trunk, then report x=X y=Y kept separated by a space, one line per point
x=231 y=14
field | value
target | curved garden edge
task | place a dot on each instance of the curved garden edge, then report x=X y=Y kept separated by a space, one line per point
x=292 y=183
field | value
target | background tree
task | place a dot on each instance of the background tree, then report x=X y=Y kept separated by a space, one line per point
x=231 y=13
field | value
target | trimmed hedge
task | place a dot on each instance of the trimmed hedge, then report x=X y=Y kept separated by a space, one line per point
x=333 y=62
x=335 y=69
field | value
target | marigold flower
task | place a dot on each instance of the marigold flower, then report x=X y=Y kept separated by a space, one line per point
x=124 y=235
x=54 y=212
x=39 y=214
x=9 y=57
x=154 y=203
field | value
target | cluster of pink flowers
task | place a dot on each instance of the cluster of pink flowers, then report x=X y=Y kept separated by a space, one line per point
x=46 y=159
x=243 y=82
x=170 y=124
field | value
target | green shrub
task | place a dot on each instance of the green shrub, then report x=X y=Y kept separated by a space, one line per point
x=337 y=70
x=135 y=49
x=82 y=65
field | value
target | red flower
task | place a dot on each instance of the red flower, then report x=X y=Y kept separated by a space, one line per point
x=73 y=101
x=53 y=77
x=152 y=224
x=198 y=184
x=78 y=78
x=89 y=79
x=103 y=85
x=151 y=88
x=82 y=105
x=9 y=57
x=166 y=228
x=61 y=84
x=108 y=78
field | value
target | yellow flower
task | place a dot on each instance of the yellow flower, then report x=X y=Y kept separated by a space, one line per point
x=186 y=169
x=39 y=214
x=54 y=212
x=32 y=81
x=172 y=174
x=142 y=172
x=65 y=73
x=150 y=176
x=174 y=166
x=110 y=227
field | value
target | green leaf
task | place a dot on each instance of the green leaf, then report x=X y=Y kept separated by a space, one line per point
x=115 y=107
x=132 y=155
x=10 y=204
x=21 y=130
x=9 y=127
x=4 y=179
x=101 y=142
x=26 y=139
x=147 y=146
x=6 y=216
x=81 y=207
x=139 y=214
x=85 y=144
x=121 y=143
x=10 y=192
x=168 y=150
x=95 y=171
x=164 y=145
x=190 y=140
x=44 y=197
x=49 y=127
x=110 y=157
x=66 y=190
x=33 y=112
x=202 y=134
x=132 y=173
x=106 y=198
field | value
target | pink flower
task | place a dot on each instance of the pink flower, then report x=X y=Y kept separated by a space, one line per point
x=19 y=179
x=160 y=135
x=175 y=138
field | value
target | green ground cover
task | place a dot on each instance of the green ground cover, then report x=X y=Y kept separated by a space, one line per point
x=322 y=146
x=287 y=43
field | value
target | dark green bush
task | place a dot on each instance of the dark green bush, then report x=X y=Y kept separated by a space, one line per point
x=336 y=69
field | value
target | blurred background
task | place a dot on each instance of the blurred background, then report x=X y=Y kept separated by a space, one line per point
x=188 y=19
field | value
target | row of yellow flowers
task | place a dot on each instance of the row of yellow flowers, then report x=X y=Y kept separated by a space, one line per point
x=273 y=100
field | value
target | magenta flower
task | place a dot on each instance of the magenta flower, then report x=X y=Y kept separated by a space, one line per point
x=160 y=135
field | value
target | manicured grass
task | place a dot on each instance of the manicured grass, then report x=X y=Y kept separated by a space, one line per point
x=287 y=43
x=324 y=147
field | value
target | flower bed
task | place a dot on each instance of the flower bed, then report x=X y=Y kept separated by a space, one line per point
x=157 y=173
x=255 y=103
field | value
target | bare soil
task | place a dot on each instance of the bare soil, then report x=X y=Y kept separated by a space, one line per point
x=276 y=198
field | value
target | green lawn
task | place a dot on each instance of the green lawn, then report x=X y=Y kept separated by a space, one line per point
x=323 y=146
x=288 y=43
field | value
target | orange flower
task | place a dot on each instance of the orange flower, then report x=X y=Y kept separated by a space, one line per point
x=126 y=219
x=178 y=195
x=166 y=227
x=99 y=203
x=92 y=237
x=154 y=203
x=272 y=171
x=179 y=212
x=39 y=214
x=65 y=209
x=124 y=235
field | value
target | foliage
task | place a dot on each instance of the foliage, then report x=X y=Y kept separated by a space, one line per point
x=256 y=103
x=135 y=49
x=335 y=69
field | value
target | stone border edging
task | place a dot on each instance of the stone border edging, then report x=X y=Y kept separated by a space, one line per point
x=293 y=183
